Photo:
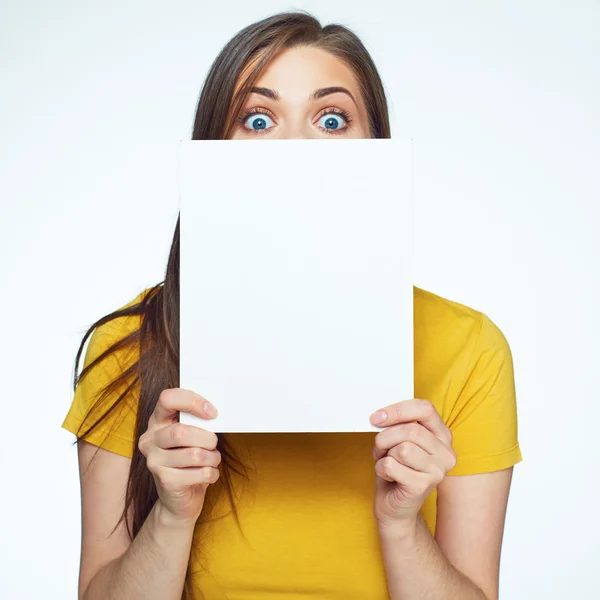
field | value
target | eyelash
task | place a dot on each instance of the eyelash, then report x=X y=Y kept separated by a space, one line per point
x=254 y=111
x=337 y=111
x=258 y=110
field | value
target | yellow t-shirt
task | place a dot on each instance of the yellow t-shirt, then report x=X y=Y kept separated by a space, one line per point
x=307 y=511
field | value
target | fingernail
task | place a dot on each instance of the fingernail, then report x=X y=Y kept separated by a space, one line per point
x=210 y=410
x=378 y=417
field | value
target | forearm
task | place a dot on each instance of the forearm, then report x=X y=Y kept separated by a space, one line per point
x=154 y=565
x=416 y=568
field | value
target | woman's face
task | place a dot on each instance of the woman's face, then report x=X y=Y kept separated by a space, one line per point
x=304 y=92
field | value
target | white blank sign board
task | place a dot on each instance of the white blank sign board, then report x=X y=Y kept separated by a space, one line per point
x=296 y=281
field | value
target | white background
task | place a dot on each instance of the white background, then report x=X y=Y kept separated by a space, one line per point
x=502 y=100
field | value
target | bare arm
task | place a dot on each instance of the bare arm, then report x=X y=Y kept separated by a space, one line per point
x=153 y=565
x=462 y=562
x=183 y=460
x=416 y=568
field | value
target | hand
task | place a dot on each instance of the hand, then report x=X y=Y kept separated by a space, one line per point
x=183 y=459
x=412 y=459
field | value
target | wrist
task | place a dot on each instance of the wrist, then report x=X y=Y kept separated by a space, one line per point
x=401 y=531
x=165 y=518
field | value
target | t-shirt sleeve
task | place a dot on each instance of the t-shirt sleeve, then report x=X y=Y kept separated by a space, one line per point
x=484 y=419
x=116 y=432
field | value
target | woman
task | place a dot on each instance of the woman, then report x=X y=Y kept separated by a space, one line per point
x=323 y=515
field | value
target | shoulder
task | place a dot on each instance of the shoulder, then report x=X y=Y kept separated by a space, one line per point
x=104 y=406
x=428 y=305
x=463 y=364
x=451 y=322
x=117 y=328
x=105 y=336
x=452 y=341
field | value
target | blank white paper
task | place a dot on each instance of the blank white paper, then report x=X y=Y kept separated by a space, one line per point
x=296 y=281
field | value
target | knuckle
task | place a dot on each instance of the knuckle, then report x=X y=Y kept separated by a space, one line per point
x=404 y=450
x=379 y=441
x=164 y=479
x=428 y=406
x=151 y=464
x=207 y=475
x=452 y=461
x=435 y=475
x=414 y=432
x=196 y=455
x=212 y=440
x=142 y=443
x=178 y=432
x=165 y=398
x=388 y=463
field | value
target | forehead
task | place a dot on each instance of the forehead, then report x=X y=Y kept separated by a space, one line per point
x=300 y=70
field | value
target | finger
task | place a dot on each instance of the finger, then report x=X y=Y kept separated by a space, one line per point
x=179 y=434
x=406 y=432
x=391 y=470
x=176 y=479
x=413 y=456
x=192 y=456
x=174 y=400
x=415 y=409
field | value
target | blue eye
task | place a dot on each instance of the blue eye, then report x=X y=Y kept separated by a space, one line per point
x=258 y=122
x=332 y=121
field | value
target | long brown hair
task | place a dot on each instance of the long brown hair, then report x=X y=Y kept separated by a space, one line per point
x=157 y=338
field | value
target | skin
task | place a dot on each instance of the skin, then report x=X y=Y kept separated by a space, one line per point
x=183 y=460
x=294 y=74
x=413 y=452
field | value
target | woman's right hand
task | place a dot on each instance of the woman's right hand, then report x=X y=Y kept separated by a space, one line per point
x=183 y=459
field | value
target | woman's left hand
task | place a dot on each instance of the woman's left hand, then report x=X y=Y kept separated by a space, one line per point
x=412 y=459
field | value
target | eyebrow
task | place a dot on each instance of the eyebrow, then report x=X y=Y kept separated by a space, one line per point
x=269 y=93
x=320 y=93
